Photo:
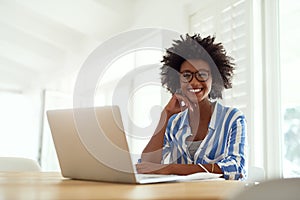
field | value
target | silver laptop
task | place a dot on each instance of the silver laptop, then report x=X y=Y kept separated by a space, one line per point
x=91 y=145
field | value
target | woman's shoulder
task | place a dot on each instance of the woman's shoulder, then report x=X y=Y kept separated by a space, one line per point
x=178 y=116
x=230 y=110
x=178 y=119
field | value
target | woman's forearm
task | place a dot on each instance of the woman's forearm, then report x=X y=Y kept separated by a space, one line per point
x=185 y=169
x=153 y=150
x=178 y=169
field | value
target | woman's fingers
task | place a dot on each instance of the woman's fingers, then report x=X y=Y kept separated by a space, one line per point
x=173 y=105
x=178 y=103
x=184 y=102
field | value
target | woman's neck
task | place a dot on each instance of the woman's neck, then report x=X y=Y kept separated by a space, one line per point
x=202 y=110
x=199 y=119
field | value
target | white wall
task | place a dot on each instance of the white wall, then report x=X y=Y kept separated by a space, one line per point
x=167 y=14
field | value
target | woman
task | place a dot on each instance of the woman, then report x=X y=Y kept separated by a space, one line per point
x=196 y=133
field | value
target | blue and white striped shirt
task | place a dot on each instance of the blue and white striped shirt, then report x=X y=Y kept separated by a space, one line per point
x=224 y=144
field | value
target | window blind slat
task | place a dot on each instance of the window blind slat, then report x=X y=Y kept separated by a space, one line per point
x=229 y=23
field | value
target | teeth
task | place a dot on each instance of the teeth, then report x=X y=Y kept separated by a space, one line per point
x=194 y=90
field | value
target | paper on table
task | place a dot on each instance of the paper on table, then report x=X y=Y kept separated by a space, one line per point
x=201 y=176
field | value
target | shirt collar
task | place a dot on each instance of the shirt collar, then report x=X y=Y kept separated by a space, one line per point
x=213 y=119
x=184 y=118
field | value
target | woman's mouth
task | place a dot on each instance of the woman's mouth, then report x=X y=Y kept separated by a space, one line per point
x=195 y=90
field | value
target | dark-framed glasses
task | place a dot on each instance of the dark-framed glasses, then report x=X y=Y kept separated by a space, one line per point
x=187 y=76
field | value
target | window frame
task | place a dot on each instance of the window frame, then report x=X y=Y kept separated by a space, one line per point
x=271 y=90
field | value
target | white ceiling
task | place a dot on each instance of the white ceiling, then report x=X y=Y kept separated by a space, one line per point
x=41 y=39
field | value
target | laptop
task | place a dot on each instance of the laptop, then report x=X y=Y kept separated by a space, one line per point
x=91 y=145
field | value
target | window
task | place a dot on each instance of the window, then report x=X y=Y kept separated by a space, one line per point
x=134 y=76
x=19 y=130
x=289 y=15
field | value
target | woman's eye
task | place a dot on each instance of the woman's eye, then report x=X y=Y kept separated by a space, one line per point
x=186 y=75
x=203 y=74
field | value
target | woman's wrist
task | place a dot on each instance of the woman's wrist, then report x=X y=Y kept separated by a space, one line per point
x=181 y=169
x=166 y=114
x=169 y=169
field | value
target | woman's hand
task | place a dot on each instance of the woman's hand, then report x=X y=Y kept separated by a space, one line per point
x=153 y=150
x=151 y=168
x=177 y=103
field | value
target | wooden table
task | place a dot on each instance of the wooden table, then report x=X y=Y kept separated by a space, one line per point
x=51 y=185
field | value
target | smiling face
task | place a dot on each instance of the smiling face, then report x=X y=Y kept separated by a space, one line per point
x=198 y=88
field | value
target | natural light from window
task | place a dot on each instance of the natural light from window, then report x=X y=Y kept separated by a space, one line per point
x=290 y=81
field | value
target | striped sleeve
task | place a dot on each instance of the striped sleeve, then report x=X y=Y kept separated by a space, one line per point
x=166 y=146
x=233 y=164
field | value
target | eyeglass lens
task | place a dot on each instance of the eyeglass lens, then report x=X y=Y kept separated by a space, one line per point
x=187 y=76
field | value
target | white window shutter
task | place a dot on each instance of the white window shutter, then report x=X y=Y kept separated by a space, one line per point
x=229 y=22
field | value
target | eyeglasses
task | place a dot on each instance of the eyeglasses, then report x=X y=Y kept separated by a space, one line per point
x=187 y=76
